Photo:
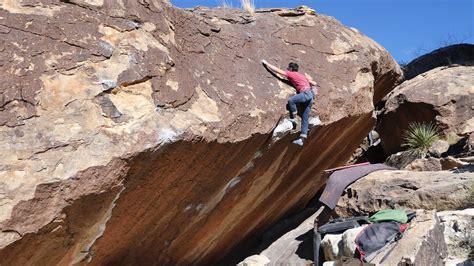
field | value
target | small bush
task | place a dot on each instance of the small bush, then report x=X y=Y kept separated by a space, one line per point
x=420 y=136
x=248 y=6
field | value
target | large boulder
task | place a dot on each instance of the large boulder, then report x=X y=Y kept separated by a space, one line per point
x=444 y=95
x=381 y=190
x=138 y=133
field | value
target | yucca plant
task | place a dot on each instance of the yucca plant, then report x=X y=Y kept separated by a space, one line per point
x=420 y=136
x=248 y=5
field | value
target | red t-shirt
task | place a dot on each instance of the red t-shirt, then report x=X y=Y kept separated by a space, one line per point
x=298 y=80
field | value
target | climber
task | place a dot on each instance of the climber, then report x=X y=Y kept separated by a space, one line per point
x=304 y=98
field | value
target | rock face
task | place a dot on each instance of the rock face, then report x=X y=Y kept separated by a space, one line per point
x=411 y=190
x=139 y=133
x=444 y=95
x=429 y=164
x=293 y=248
x=438 y=148
x=256 y=260
x=336 y=246
x=459 y=235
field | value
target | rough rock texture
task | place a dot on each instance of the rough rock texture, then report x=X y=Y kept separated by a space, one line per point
x=337 y=245
x=401 y=159
x=461 y=54
x=255 y=260
x=444 y=95
x=428 y=164
x=138 y=133
x=293 y=248
x=449 y=163
x=469 y=145
x=459 y=235
x=435 y=164
x=407 y=160
x=442 y=190
x=422 y=244
x=332 y=246
x=438 y=148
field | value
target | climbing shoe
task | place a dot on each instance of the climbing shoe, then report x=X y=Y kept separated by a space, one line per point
x=298 y=142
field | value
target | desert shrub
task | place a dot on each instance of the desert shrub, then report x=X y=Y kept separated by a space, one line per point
x=420 y=136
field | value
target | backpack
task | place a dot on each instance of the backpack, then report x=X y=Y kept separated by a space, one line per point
x=374 y=237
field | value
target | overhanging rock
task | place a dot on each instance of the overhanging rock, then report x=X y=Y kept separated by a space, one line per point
x=139 y=133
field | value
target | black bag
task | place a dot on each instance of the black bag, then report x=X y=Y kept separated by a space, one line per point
x=376 y=236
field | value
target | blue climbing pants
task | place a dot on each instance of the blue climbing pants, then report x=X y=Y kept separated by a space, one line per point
x=304 y=100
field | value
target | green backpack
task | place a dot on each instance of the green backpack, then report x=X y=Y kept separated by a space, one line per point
x=389 y=215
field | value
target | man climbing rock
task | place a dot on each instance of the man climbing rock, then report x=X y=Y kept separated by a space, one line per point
x=304 y=97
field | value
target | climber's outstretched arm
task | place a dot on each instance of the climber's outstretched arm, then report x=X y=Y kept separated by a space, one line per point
x=274 y=69
x=310 y=79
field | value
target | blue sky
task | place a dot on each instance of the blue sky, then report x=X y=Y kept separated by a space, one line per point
x=406 y=28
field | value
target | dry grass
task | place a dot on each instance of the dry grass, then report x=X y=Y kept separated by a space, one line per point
x=248 y=6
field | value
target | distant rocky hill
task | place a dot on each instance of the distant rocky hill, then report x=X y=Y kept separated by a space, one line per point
x=458 y=54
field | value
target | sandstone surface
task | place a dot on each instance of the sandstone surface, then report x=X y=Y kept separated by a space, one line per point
x=438 y=148
x=444 y=95
x=135 y=132
x=428 y=164
x=443 y=190
x=336 y=246
x=294 y=247
x=459 y=235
